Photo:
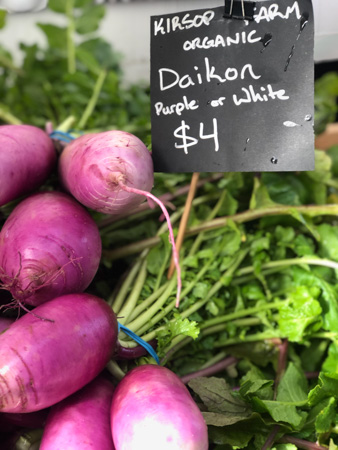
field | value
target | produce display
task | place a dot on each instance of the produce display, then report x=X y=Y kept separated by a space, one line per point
x=99 y=347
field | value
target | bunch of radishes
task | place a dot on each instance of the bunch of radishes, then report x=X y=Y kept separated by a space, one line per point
x=50 y=250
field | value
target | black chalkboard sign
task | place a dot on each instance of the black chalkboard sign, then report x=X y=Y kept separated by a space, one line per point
x=233 y=95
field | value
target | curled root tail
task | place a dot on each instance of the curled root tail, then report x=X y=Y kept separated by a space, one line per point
x=148 y=195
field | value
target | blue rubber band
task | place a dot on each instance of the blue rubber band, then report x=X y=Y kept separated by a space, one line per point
x=62 y=136
x=140 y=341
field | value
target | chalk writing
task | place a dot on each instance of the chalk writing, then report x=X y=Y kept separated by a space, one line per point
x=214 y=79
x=185 y=23
x=221 y=41
x=266 y=93
x=273 y=11
x=189 y=141
x=176 y=108
x=169 y=78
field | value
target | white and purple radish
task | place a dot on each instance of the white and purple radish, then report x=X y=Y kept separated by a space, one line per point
x=27 y=157
x=153 y=409
x=49 y=246
x=81 y=421
x=43 y=362
x=111 y=172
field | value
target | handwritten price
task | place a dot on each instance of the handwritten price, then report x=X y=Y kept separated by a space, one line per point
x=187 y=141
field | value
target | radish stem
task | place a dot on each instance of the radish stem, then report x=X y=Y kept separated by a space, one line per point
x=211 y=370
x=118 y=301
x=94 y=99
x=115 y=370
x=246 y=216
x=8 y=117
x=70 y=33
x=130 y=304
x=184 y=220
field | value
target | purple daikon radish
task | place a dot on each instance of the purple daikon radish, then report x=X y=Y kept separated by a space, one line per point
x=49 y=246
x=111 y=172
x=27 y=157
x=43 y=362
x=5 y=323
x=152 y=409
x=81 y=421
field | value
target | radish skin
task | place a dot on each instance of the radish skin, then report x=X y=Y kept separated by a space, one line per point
x=160 y=413
x=27 y=157
x=112 y=172
x=43 y=362
x=81 y=421
x=5 y=323
x=49 y=246
x=92 y=166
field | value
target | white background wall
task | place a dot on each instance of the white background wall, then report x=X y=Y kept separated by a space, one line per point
x=127 y=27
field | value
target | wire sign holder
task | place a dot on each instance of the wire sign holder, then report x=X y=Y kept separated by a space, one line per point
x=232 y=88
x=239 y=9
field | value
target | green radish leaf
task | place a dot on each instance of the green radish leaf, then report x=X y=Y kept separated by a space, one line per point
x=82 y=3
x=285 y=189
x=327 y=387
x=229 y=206
x=323 y=167
x=328 y=243
x=201 y=290
x=249 y=434
x=154 y=259
x=333 y=154
x=90 y=19
x=293 y=385
x=221 y=420
x=260 y=196
x=88 y=60
x=56 y=36
x=261 y=389
x=319 y=192
x=281 y=411
x=254 y=383
x=332 y=445
x=313 y=355
x=219 y=399
x=102 y=52
x=175 y=328
x=58 y=6
x=297 y=315
x=331 y=362
x=327 y=299
x=3 y=15
x=236 y=436
x=303 y=245
x=326 y=417
x=307 y=222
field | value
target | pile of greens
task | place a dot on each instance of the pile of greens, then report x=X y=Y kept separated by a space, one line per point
x=77 y=74
x=259 y=301
x=256 y=334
